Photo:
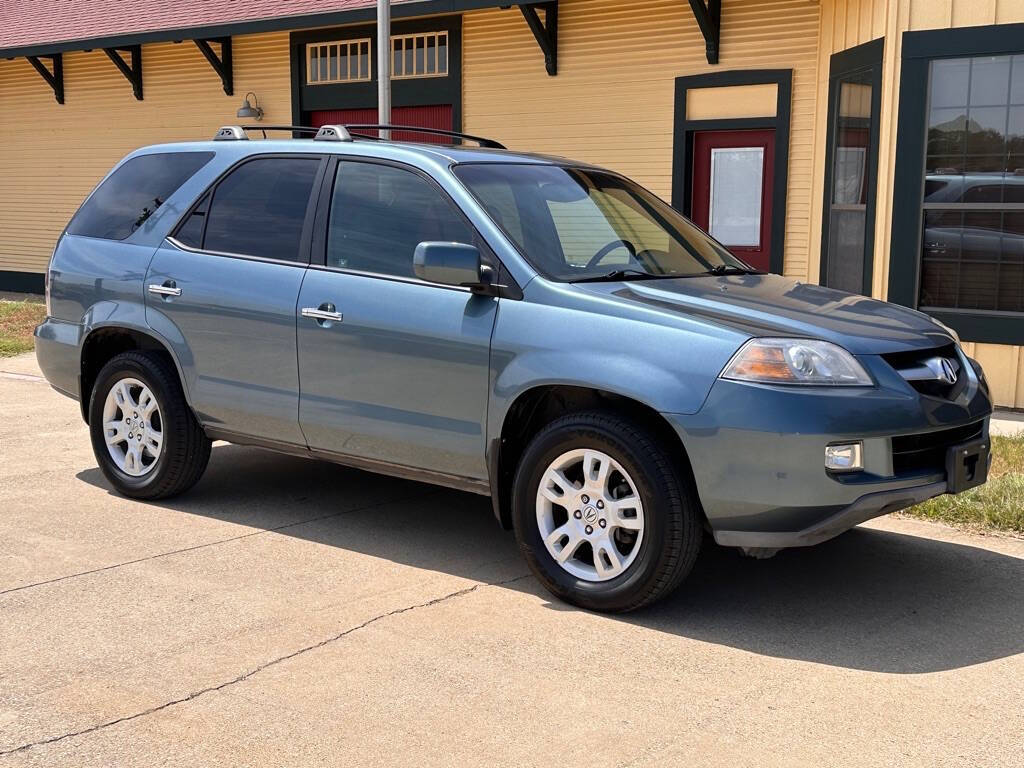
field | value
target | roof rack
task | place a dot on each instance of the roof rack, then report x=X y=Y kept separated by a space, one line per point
x=345 y=132
x=237 y=132
x=332 y=133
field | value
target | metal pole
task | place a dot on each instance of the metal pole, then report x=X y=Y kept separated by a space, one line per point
x=384 y=65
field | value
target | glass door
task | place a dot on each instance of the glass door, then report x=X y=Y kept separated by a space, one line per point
x=851 y=168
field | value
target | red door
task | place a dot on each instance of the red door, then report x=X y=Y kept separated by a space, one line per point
x=432 y=116
x=732 y=181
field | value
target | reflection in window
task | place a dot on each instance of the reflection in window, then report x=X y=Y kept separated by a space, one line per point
x=973 y=238
x=260 y=207
x=380 y=214
x=849 y=194
x=132 y=193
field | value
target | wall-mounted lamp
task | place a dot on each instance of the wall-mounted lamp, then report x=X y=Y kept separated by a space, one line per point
x=247 y=110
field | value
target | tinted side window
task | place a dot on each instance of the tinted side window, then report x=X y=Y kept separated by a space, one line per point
x=133 y=192
x=379 y=214
x=260 y=207
x=191 y=232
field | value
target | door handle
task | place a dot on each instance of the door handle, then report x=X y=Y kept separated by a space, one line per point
x=169 y=288
x=325 y=313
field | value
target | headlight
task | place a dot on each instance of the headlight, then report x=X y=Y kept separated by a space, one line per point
x=796 y=361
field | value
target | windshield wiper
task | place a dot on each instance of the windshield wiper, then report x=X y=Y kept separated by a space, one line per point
x=732 y=269
x=619 y=274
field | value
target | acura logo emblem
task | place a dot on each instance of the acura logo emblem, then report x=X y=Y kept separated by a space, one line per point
x=948 y=372
x=943 y=369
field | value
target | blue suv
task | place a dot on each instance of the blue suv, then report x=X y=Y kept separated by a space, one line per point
x=538 y=330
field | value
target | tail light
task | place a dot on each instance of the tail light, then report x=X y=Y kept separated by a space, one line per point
x=48 y=278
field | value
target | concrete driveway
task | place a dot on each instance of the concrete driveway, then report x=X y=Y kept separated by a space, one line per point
x=288 y=612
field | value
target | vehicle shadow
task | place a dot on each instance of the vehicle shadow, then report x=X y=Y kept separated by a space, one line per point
x=869 y=600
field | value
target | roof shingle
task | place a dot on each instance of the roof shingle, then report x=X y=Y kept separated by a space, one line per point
x=25 y=23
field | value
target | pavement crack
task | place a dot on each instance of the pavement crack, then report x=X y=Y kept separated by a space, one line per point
x=20 y=376
x=158 y=555
x=266 y=665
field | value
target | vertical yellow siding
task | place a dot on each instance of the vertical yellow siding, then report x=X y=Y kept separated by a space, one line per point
x=52 y=155
x=612 y=101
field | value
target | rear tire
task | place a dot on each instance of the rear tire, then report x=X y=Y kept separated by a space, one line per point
x=146 y=440
x=644 y=536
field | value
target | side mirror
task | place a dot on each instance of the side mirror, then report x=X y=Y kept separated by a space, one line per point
x=451 y=264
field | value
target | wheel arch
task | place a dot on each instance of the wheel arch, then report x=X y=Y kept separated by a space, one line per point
x=103 y=342
x=539 y=405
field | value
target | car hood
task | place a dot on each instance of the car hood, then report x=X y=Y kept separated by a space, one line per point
x=770 y=305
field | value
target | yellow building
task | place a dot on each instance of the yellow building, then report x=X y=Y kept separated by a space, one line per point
x=871 y=145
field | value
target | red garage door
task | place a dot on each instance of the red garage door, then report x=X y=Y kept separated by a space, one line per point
x=433 y=116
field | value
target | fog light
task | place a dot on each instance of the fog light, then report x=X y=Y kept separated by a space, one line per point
x=848 y=457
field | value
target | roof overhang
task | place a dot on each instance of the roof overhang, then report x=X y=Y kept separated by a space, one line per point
x=399 y=9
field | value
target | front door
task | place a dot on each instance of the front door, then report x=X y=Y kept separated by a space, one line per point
x=398 y=372
x=733 y=173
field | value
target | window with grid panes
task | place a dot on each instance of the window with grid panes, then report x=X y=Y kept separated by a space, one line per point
x=972 y=250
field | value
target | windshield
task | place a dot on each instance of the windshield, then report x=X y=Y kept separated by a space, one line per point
x=578 y=224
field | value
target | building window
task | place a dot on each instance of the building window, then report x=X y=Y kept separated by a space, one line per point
x=338 y=61
x=972 y=246
x=848 y=227
x=419 y=55
x=348 y=61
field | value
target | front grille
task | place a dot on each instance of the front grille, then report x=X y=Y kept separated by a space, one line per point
x=926 y=452
x=906 y=362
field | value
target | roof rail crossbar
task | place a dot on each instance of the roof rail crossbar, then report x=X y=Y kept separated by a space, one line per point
x=332 y=133
x=230 y=133
x=487 y=143
x=238 y=132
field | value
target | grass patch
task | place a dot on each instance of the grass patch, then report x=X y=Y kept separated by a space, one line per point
x=17 y=321
x=997 y=505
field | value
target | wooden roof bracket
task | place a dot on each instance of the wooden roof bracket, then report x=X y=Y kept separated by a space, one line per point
x=133 y=73
x=709 y=19
x=54 y=78
x=221 y=64
x=545 y=33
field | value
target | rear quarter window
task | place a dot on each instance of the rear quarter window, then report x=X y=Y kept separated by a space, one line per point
x=133 y=193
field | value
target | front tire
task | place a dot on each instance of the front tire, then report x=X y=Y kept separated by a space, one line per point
x=146 y=440
x=602 y=514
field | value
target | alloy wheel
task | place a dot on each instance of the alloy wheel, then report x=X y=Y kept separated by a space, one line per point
x=590 y=515
x=132 y=427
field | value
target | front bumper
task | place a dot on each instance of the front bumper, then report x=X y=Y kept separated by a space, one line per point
x=865 y=508
x=757 y=454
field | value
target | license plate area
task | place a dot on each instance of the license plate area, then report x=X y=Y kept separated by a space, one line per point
x=967 y=465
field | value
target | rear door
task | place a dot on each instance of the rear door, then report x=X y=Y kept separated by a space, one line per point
x=400 y=374
x=222 y=289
